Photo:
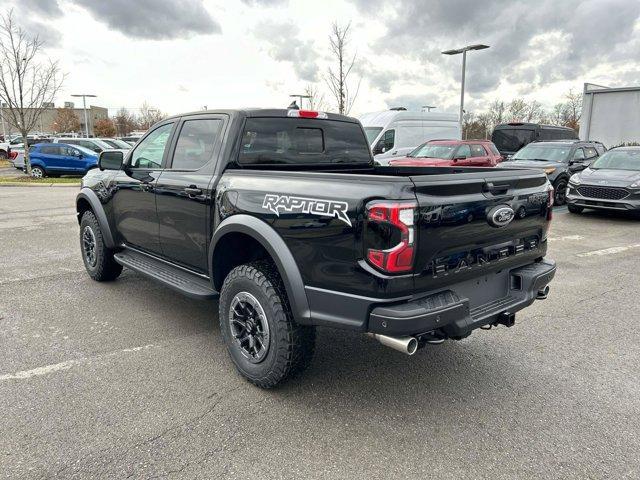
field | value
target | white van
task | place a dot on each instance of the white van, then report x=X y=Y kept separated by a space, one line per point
x=396 y=132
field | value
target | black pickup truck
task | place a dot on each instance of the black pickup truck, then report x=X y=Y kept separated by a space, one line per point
x=283 y=216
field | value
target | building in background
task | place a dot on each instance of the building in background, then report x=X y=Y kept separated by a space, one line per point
x=47 y=123
x=610 y=115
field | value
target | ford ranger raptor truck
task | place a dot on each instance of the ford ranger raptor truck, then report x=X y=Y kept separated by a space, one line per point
x=283 y=217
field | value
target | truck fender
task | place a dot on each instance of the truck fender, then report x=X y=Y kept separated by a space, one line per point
x=279 y=252
x=88 y=195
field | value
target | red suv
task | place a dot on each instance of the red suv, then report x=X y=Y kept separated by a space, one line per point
x=445 y=153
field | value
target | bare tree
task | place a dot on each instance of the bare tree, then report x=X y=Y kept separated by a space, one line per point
x=66 y=121
x=337 y=78
x=149 y=115
x=124 y=121
x=316 y=98
x=574 y=109
x=104 y=128
x=26 y=84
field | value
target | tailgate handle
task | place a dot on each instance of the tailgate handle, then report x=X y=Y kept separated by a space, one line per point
x=493 y=188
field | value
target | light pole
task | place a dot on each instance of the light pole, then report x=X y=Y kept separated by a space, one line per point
x=428 y=107
x=463 y=51
x=300 y=97
x=84 y=107
x=4 y=131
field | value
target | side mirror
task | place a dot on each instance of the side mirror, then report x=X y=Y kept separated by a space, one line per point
x=110 y=160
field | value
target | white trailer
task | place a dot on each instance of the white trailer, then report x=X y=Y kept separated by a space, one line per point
x=610 y=115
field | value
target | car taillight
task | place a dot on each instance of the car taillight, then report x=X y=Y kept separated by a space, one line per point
x=306 y=114
x=398 y=215
x=13 y=154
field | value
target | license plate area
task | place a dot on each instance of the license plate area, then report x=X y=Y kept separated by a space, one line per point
x=484 y=289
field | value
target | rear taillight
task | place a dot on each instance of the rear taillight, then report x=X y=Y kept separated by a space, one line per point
x=13 y=154
x=401 y=216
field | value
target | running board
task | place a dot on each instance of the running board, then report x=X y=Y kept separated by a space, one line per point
x=173 y=277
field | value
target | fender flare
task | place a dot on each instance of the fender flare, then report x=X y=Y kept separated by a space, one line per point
x=273 y=243
x=96 y=206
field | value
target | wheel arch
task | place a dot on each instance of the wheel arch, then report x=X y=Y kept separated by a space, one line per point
x=242 y=238
x=88 y=200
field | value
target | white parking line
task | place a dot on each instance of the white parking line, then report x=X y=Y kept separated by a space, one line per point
x=609 y=251
x=56 y=367
x=566 y=238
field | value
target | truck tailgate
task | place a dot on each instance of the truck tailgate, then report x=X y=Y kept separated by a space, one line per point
x=475 y=224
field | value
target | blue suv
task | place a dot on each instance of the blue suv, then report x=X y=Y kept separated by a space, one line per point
x=61 y=159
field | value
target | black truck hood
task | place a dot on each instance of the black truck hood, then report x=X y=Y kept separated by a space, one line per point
x=615 y=178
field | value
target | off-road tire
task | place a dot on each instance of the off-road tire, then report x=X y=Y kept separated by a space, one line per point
x=575 y=208
x=104 y=268
x=291 y=345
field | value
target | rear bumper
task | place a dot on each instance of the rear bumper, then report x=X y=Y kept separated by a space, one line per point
x=452 y=313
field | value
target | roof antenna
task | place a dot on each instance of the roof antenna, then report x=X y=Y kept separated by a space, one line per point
x=293 y=106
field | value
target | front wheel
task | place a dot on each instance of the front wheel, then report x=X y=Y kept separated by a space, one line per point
x=575 y=208
x=560 y=192
x=98 y=259
x=38 y=172
x=264 y=342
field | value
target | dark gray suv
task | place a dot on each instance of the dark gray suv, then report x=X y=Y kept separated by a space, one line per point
x=559 y=159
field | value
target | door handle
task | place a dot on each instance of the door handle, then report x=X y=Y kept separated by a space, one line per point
x=193 y=191
x=492 y=188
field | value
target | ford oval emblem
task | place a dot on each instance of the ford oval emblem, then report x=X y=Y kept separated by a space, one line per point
x=500 y=216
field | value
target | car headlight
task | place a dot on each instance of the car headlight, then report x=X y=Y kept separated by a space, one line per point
x=635 y=184
x=549 y=170
x=575 y=179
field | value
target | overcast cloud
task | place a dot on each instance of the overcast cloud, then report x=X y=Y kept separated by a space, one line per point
x=181 y=54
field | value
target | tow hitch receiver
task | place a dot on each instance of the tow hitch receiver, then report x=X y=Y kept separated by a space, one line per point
x=507 y=319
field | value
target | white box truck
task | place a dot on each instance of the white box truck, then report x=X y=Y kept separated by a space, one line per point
x=610 y=115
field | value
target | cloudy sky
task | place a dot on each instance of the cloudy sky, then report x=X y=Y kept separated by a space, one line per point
x=179 y=55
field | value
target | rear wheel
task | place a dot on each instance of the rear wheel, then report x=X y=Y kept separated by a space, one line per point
x=97 y=258
x=575 y=208
x=560 y=192
x=38 y=172
x=264 y=342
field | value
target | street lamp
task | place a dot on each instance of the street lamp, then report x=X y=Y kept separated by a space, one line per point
x=428 y=107
x=84 y=107
x=463 y=51
x=300 y=97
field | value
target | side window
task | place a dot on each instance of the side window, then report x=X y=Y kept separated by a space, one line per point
x=600 y=149
x=478 y=151
x=463 y=152
x=578 y=154
x=149 y=152
x=196 y=143
x=590 y=152
x=389 y=139
x=50 y=150
x=494 y=150
x=71 y=142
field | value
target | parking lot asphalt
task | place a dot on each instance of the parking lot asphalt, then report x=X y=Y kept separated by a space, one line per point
x=131 y=380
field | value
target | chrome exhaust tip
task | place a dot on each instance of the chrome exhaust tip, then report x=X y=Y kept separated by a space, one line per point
x=543 y=293
x=406 y=345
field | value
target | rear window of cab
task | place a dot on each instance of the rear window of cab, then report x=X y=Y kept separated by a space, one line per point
x=278 y=141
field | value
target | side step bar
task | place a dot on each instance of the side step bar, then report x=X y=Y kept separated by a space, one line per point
x=187 y=283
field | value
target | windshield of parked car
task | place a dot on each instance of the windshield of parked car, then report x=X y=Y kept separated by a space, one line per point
x=115 y=143
x=85 y=150
x=430 y=150
x=372 y=133
x=543 y=153
x=618 y=160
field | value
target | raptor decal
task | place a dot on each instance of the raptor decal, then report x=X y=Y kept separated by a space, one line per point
x=314 y=206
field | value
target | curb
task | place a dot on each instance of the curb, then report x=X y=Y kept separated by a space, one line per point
x=26 y=184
